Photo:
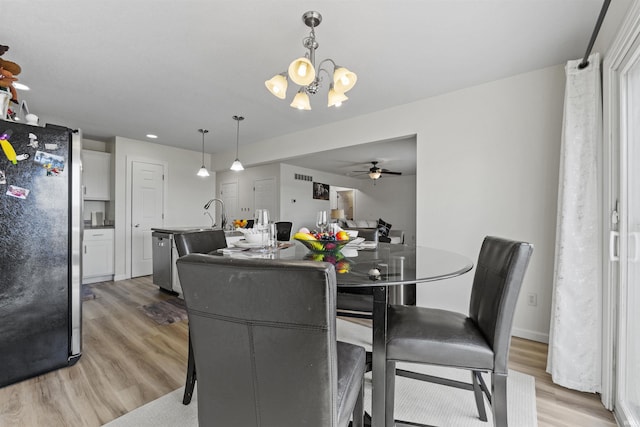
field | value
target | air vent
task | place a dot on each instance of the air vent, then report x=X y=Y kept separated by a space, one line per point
x=301 y=177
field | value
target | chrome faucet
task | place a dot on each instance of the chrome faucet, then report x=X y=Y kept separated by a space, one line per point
x=223 y=215
x=213 y=221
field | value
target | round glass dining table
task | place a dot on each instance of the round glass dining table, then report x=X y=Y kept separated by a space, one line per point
x=383 y=269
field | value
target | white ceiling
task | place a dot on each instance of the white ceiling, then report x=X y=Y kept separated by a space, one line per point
x=128 y=68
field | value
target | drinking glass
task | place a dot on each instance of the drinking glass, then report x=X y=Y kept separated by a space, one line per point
x=322 y=220
x=261 y=223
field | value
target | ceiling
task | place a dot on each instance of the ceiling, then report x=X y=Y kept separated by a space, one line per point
x=128 y=68
x=397 y=155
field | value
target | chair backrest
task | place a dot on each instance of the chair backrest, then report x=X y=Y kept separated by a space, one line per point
x=283 y=230
x=264 y=340
x=200 y=242
x=496 y=285
x=368 y=234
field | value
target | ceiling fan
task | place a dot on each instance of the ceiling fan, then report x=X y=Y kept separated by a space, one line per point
x=375 y=172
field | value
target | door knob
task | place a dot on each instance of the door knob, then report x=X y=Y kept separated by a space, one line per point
x=137 y=225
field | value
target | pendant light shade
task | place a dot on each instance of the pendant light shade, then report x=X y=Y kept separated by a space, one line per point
x=278 y=85
x=335 y=98
x=344 y=80
x=237 y=166
x=301 y=71
x=203 y=172
x=301 y=101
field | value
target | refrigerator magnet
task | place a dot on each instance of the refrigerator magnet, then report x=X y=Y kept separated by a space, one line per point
x=33 y=140
x=23 y=156
x=51 y=146
x=49 y=161
x=17 y=192
x=3 y=178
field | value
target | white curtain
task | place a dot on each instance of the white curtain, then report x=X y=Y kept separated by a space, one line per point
x=576 y=318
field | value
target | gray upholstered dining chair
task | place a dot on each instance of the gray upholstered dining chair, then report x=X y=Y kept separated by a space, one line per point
x=264 y=340
x=198 y=242
x=478 y=342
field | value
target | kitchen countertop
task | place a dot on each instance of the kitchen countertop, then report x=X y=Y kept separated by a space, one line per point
x=181 y=230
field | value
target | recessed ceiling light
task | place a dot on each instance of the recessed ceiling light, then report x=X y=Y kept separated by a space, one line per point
x=152 y=136
x=20 y=86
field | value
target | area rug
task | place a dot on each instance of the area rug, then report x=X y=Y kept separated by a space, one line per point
x=171 y=310
x=416 y=401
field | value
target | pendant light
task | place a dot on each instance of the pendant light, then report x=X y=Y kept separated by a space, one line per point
x=203 y=172
x=237 y=166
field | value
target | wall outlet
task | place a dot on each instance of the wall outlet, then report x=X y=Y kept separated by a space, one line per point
x=532 y=299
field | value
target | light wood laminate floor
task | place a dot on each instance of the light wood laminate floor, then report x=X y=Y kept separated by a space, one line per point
x=129 y=360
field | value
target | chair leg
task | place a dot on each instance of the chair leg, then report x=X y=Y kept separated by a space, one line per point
x=358 y=410
x=477 y=392
x=499 y=401
x=191 y=377
x=389 y=399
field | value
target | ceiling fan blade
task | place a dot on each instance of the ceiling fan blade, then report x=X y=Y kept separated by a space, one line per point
x=388 y=172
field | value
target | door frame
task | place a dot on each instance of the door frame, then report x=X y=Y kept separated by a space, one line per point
x=613 y=99
x=128 y=203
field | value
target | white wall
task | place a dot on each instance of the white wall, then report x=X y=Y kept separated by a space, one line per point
x=392 y=199
x=487 y=165
x=185 y=193
x=303 y=211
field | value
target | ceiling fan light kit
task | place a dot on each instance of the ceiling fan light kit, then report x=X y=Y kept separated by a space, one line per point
x=376 y=172
x=303 y=72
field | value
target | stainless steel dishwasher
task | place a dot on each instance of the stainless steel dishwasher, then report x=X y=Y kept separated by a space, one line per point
x=162 y=260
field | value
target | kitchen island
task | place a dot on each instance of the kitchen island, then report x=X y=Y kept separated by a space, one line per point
x=165 y=255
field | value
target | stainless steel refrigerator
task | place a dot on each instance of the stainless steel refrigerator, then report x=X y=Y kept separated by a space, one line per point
x=40 y=232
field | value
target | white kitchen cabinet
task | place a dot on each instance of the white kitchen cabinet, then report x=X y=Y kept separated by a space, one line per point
x=97 y=255
x=96 y=175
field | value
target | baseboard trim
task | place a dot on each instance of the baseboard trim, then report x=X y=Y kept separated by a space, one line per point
x=120 y=277
x=530 y=335
x=89 y=280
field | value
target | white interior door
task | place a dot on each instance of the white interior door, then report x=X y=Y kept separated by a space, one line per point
x=627 y=404
x=147 y=204
x=265 y=197
x=229 y=195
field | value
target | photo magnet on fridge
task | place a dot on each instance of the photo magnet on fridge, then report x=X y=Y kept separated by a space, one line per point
x=3 y=178
x=49 y=161
x=18 y=192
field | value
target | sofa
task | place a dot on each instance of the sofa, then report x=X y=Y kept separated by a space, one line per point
x=395 y=236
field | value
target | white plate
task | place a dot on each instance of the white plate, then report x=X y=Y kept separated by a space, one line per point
x=244 y=244
x=355 y=242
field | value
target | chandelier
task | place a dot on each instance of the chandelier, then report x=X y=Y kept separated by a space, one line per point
x=304 y=73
